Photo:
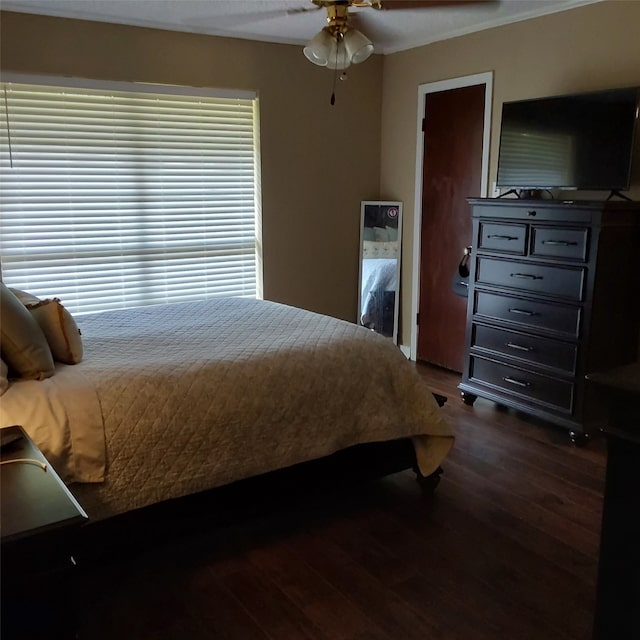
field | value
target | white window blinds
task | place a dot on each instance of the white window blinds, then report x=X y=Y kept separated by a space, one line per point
x=119 y=198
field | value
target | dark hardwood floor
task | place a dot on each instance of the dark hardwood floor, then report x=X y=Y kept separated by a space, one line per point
x=505 y=549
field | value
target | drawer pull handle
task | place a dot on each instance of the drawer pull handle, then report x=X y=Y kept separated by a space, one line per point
x=559 y=243
x=532 y=213
x=526 y=276
x=499 y=237
x=518 y=383
x=520 y=347
x=522 y=312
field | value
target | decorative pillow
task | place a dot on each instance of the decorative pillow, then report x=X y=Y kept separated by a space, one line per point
x=22 y=343
x=24 y=297
x=60 y=330
x=4 y=379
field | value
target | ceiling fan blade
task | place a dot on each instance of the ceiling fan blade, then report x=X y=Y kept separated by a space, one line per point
x=295 y=10
x=232 y=20
x=370 y=27
x=387 y=5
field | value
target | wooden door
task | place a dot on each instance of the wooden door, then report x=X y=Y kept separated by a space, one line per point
x=452 y=172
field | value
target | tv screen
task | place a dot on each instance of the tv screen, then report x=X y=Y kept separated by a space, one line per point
x=579 y=141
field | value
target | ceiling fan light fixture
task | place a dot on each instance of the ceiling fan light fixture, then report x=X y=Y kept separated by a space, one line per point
x=357 y=45
x=319 y=48
x=338 y=55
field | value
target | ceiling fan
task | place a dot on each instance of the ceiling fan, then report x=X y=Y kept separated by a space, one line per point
x=339 y=44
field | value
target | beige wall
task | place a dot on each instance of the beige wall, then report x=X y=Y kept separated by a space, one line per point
x=318 y=161
x=591 y=47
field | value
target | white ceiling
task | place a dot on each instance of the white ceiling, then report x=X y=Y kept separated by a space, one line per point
x=296 y=21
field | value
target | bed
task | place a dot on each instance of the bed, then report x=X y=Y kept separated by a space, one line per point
x=171 y=400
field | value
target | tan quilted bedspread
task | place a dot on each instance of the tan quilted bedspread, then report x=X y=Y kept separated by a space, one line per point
x=201 y=394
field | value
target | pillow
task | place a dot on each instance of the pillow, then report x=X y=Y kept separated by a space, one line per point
x=367 y=233
x=24 y=297
x=4 y=379
x=380 y=234
x=22 y=343
x=393 y=233
x=60 y=330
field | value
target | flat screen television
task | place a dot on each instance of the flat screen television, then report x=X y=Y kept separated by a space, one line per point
x=579 y=141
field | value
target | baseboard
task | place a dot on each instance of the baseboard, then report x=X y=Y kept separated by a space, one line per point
x=406 y=350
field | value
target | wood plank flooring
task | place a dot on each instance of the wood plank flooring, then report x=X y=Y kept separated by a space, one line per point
x=505 y=549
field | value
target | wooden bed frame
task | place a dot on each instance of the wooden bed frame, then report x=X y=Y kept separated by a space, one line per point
x=131 y=531
x=45 y=569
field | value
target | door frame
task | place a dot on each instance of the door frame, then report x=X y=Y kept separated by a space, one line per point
x=486 y=79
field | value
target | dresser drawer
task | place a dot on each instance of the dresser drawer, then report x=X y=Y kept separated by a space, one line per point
x=561 y=319
x=554 y=393
x=559 y=242
x=532 y=212
x=565 y=282
x=508 y=238
x=546 y=352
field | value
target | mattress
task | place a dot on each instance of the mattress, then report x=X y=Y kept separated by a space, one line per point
x=378 y=275
x=175 y=399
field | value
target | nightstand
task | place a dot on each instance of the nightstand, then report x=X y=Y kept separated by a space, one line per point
x=39 y=520
x=34 y=499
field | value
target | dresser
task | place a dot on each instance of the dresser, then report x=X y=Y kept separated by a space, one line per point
x=554 y=294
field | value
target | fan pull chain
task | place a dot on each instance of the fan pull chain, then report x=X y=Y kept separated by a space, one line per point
x=343 y=76
x=333 y=93
x=335 y=77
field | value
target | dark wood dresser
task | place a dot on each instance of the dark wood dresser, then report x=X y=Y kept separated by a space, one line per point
x=553 y=295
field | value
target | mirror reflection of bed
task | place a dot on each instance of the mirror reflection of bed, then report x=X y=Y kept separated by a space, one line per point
x=380 y=234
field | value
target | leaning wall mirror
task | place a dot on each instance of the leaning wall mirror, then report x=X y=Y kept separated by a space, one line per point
x=380 y=238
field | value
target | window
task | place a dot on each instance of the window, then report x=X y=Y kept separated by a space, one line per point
x=120 y=196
